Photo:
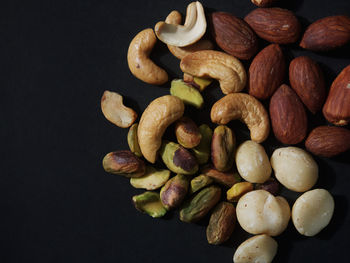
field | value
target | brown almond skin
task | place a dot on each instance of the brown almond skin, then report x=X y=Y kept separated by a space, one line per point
x=124 y=163
x=337 y=107
x=328 y=141
x=233 y=35
x=263 y=3
x=327 y=33
x=221 y=224
x=267 y=72
x=275 y=25
x=288 y=116
x=187 y=133
x=227 y=179
x=306 y=79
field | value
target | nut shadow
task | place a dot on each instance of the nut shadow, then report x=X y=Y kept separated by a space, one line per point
x=343 y=157
x=329 y=74
x=286 y=242
x=132 y=103
x=338 y=219
x=238 y=237
x=326 y=176
x=162 y=57
x=341 y=52
x=291 y=5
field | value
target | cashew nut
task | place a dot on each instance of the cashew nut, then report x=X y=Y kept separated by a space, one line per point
x=245 y=108
x=114 y=110
x=187 y=34
x=159 y=114
x=227 y=69
x=140 y=65
x=175 y=18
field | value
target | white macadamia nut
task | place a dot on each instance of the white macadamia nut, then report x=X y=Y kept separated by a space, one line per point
x=294 y=168
x=252 y=162
x=259 y=212
x=312 y=211
x=261 y=249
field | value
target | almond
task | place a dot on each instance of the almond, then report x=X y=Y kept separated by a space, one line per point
x=263 y=3
x=306 y=79
x=288 y=116
x=233 y=35
x=275 y=25
x=328 y=141
x=327 y=33
x=266 y=72
x=337 y=107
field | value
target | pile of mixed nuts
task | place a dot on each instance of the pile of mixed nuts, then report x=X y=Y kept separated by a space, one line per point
x=207 y=163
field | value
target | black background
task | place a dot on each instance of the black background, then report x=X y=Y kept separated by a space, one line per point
x=57 y=203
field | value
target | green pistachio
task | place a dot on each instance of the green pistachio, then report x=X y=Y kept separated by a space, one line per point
x=187 y=93
x=124 y=163
x=187 y=132
x=227 y=179
x=221 y=224
x=178 y=159
x=149 y=203
x=152 y=179
x=223 y=148
x=202 y=151
x=200 y=182
x=174 y=191
x=196 y=208
x=133 y=141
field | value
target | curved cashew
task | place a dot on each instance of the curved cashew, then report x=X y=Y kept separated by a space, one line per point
x=187 y=34
x=158 y=115
x=114 y=110
x=227 y=69
x=140 y=65
x=203 y=44
x=174 y=18
x=245 y=108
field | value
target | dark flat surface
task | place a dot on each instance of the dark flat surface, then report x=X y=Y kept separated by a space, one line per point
x=57 y=203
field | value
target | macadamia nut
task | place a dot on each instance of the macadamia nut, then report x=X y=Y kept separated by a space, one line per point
x=312 y=211
x=259 y=212
x=252 y=162
x=294 y=168
x=261 y=248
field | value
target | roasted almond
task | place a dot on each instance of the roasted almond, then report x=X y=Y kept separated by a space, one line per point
x=233 y=35
x=328 y=141
x=288 y=116
x=266 y=72
x=275 y=25
x=327 y=33
x=306 y=79
x=337 y=107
